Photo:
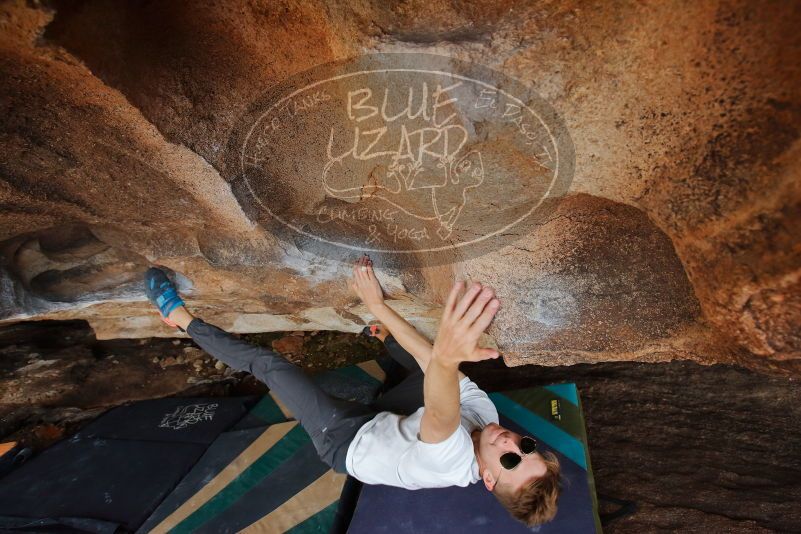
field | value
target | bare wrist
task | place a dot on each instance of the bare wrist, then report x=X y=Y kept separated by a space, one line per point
x=444 y=360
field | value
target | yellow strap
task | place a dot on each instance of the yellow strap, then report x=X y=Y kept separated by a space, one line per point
x=312 y=499
x=373 y=369
x=260 y=445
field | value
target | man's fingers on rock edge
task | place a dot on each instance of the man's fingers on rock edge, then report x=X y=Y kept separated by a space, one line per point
x=467 y=300
x=450 y=303
x=478 y=305
x=486 y=316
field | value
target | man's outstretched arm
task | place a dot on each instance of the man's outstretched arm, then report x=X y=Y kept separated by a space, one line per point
x=366 y=285
x=463 y=321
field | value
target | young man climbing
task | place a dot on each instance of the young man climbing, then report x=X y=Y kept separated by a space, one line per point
x=435 y=428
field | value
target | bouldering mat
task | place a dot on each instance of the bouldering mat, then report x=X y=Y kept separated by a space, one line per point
x=254 y=480
x=553 y=415
x=264 y=474
x=118 y=469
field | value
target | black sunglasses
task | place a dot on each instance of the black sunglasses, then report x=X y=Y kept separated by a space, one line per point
x=511 y=460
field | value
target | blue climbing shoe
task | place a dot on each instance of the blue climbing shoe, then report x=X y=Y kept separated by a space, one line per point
x=161 y=292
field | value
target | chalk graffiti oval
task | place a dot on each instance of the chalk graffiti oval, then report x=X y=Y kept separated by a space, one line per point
x=413 y=157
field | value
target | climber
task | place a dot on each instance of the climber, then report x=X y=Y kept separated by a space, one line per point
x=435 y=428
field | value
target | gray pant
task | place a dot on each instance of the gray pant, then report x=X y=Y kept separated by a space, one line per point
x=331 y=423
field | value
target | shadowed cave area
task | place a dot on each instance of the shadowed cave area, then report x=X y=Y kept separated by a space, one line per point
x=660 y=271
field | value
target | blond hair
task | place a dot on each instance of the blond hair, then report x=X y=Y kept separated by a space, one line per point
x=535 y=502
